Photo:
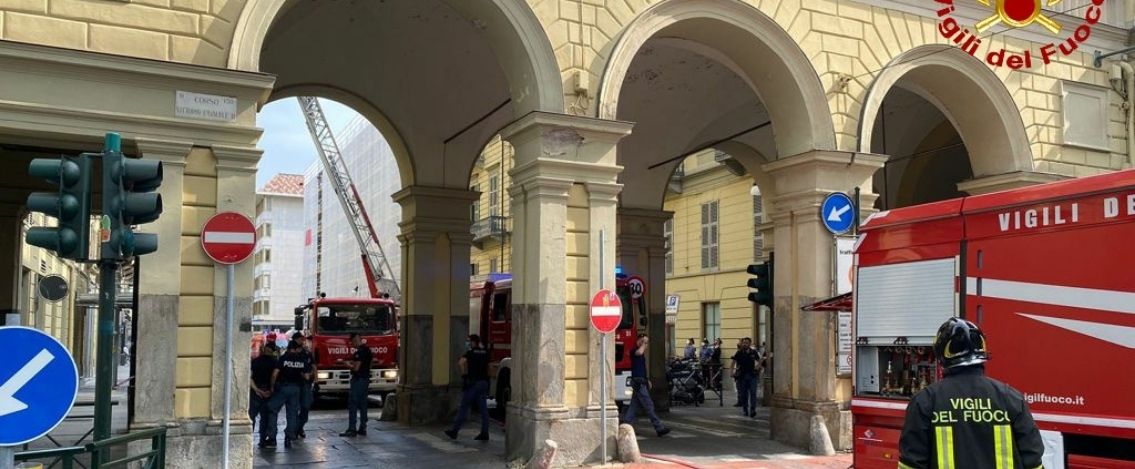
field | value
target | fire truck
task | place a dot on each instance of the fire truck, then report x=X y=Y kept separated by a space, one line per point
x=490 y=317
x=1045 y=271
x=331 y=321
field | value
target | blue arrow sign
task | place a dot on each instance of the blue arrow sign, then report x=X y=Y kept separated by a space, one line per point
x=837 y=213
x=38 y=384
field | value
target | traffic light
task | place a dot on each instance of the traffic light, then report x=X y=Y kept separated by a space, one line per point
x=71 y=205
x=128 y=199
x=762 y=282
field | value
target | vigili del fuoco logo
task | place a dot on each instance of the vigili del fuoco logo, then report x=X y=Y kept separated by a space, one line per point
x=1019 y=14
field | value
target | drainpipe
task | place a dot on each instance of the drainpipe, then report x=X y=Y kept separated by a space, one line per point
x=1128 y=76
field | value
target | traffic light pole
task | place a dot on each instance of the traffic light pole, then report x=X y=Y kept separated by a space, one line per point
x=104 y=355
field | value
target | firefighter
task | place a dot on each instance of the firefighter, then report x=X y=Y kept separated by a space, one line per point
x=357 y=402
x=968 y=420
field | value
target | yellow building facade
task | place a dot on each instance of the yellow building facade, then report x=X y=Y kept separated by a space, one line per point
x=491 y=212
x=712 y=238
x=599 y=99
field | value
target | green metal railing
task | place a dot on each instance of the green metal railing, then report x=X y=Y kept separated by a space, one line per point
x=100 y=453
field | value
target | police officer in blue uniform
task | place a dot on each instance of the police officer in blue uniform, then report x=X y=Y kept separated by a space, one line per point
x=968 y=420
x=293 y=370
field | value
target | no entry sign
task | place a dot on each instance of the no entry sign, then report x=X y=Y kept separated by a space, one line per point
x=606 y=311
x=228 y=238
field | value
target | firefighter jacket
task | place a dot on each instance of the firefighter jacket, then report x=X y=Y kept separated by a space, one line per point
x=969 y=421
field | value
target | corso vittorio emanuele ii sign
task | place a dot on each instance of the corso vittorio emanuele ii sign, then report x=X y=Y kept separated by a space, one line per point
x=1018 y=14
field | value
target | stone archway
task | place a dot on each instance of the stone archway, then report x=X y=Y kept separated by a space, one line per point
x=971 y=97
x=750 y=43
x=516 y=35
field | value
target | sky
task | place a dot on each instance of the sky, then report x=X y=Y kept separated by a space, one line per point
x=287 y=145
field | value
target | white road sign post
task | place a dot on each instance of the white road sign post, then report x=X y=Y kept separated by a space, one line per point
x=228 y=238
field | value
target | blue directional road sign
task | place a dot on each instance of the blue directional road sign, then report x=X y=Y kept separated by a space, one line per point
x=838 y=213
x=38 y=384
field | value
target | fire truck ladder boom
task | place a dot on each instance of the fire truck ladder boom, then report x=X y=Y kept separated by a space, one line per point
x=373 y=257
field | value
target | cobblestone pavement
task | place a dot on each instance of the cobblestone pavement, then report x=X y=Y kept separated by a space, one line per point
x=709 y=437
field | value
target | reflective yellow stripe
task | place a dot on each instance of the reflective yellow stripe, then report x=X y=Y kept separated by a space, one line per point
x=1003 y=446
x=904 y=466
x=944 y=442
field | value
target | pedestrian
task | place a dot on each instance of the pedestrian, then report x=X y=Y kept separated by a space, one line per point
x=474 y=366
x=691 y=350
x=640 y=389
x=745 y=370
x=737 y=382
x=715 y=363
x=703 y=359
x=360 y=385
x=292 y=371
x=940 y=430
x=307 y=393
x=260 y=395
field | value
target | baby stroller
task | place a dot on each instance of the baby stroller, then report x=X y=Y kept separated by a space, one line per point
x=685 y=378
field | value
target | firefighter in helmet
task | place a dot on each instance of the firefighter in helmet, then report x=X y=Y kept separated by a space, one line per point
x=967 y=420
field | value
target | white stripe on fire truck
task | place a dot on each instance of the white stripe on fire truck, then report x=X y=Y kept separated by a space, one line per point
x=229 y=237
x=1119 y=335
x=606 y=311
x=879 y=405
x=1058 y=295
x=1093 y=421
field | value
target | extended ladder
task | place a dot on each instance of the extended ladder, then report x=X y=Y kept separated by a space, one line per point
x=373 y=257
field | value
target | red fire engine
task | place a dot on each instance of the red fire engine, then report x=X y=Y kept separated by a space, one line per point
x=330 y=321
x=490 y=316
x=1045 y=271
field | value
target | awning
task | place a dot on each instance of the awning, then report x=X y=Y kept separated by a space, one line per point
x=836 y=303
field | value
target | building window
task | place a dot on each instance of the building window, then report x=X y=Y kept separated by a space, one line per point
x=267 y=282
x=494 y=263
x=267 y=255
x=494 y=195
x=1085 y=115
x=668 y=233
x=711 y=318
x=709 y=235
x=758 y=240
x=475 y=209
x=473 y=269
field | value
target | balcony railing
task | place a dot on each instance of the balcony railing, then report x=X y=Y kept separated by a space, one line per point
x=488 y=227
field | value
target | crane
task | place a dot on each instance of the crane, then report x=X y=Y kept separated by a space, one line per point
x=374 y=260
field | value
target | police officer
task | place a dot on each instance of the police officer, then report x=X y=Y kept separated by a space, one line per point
x=640 y=389
x=360 y=385
x=293 y=370
x=474 y=367
x=307 y=396
x=260 y=394
x=968 y=420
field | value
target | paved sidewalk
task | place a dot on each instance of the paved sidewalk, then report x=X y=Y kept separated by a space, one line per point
x=706 y=437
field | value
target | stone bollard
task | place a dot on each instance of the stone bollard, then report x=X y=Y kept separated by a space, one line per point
x=543 y=459
x=821 y=444
x=389 y=408
x=627 y=445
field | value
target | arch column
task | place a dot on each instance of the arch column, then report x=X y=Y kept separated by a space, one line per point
x=159 y=297
x=804 y=346
x=435 y=300
x=642 y=251
x=564 y=191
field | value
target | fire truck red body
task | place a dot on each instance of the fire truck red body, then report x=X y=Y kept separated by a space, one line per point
x=490 y=316
x=1046 y=272
x=330 y=322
